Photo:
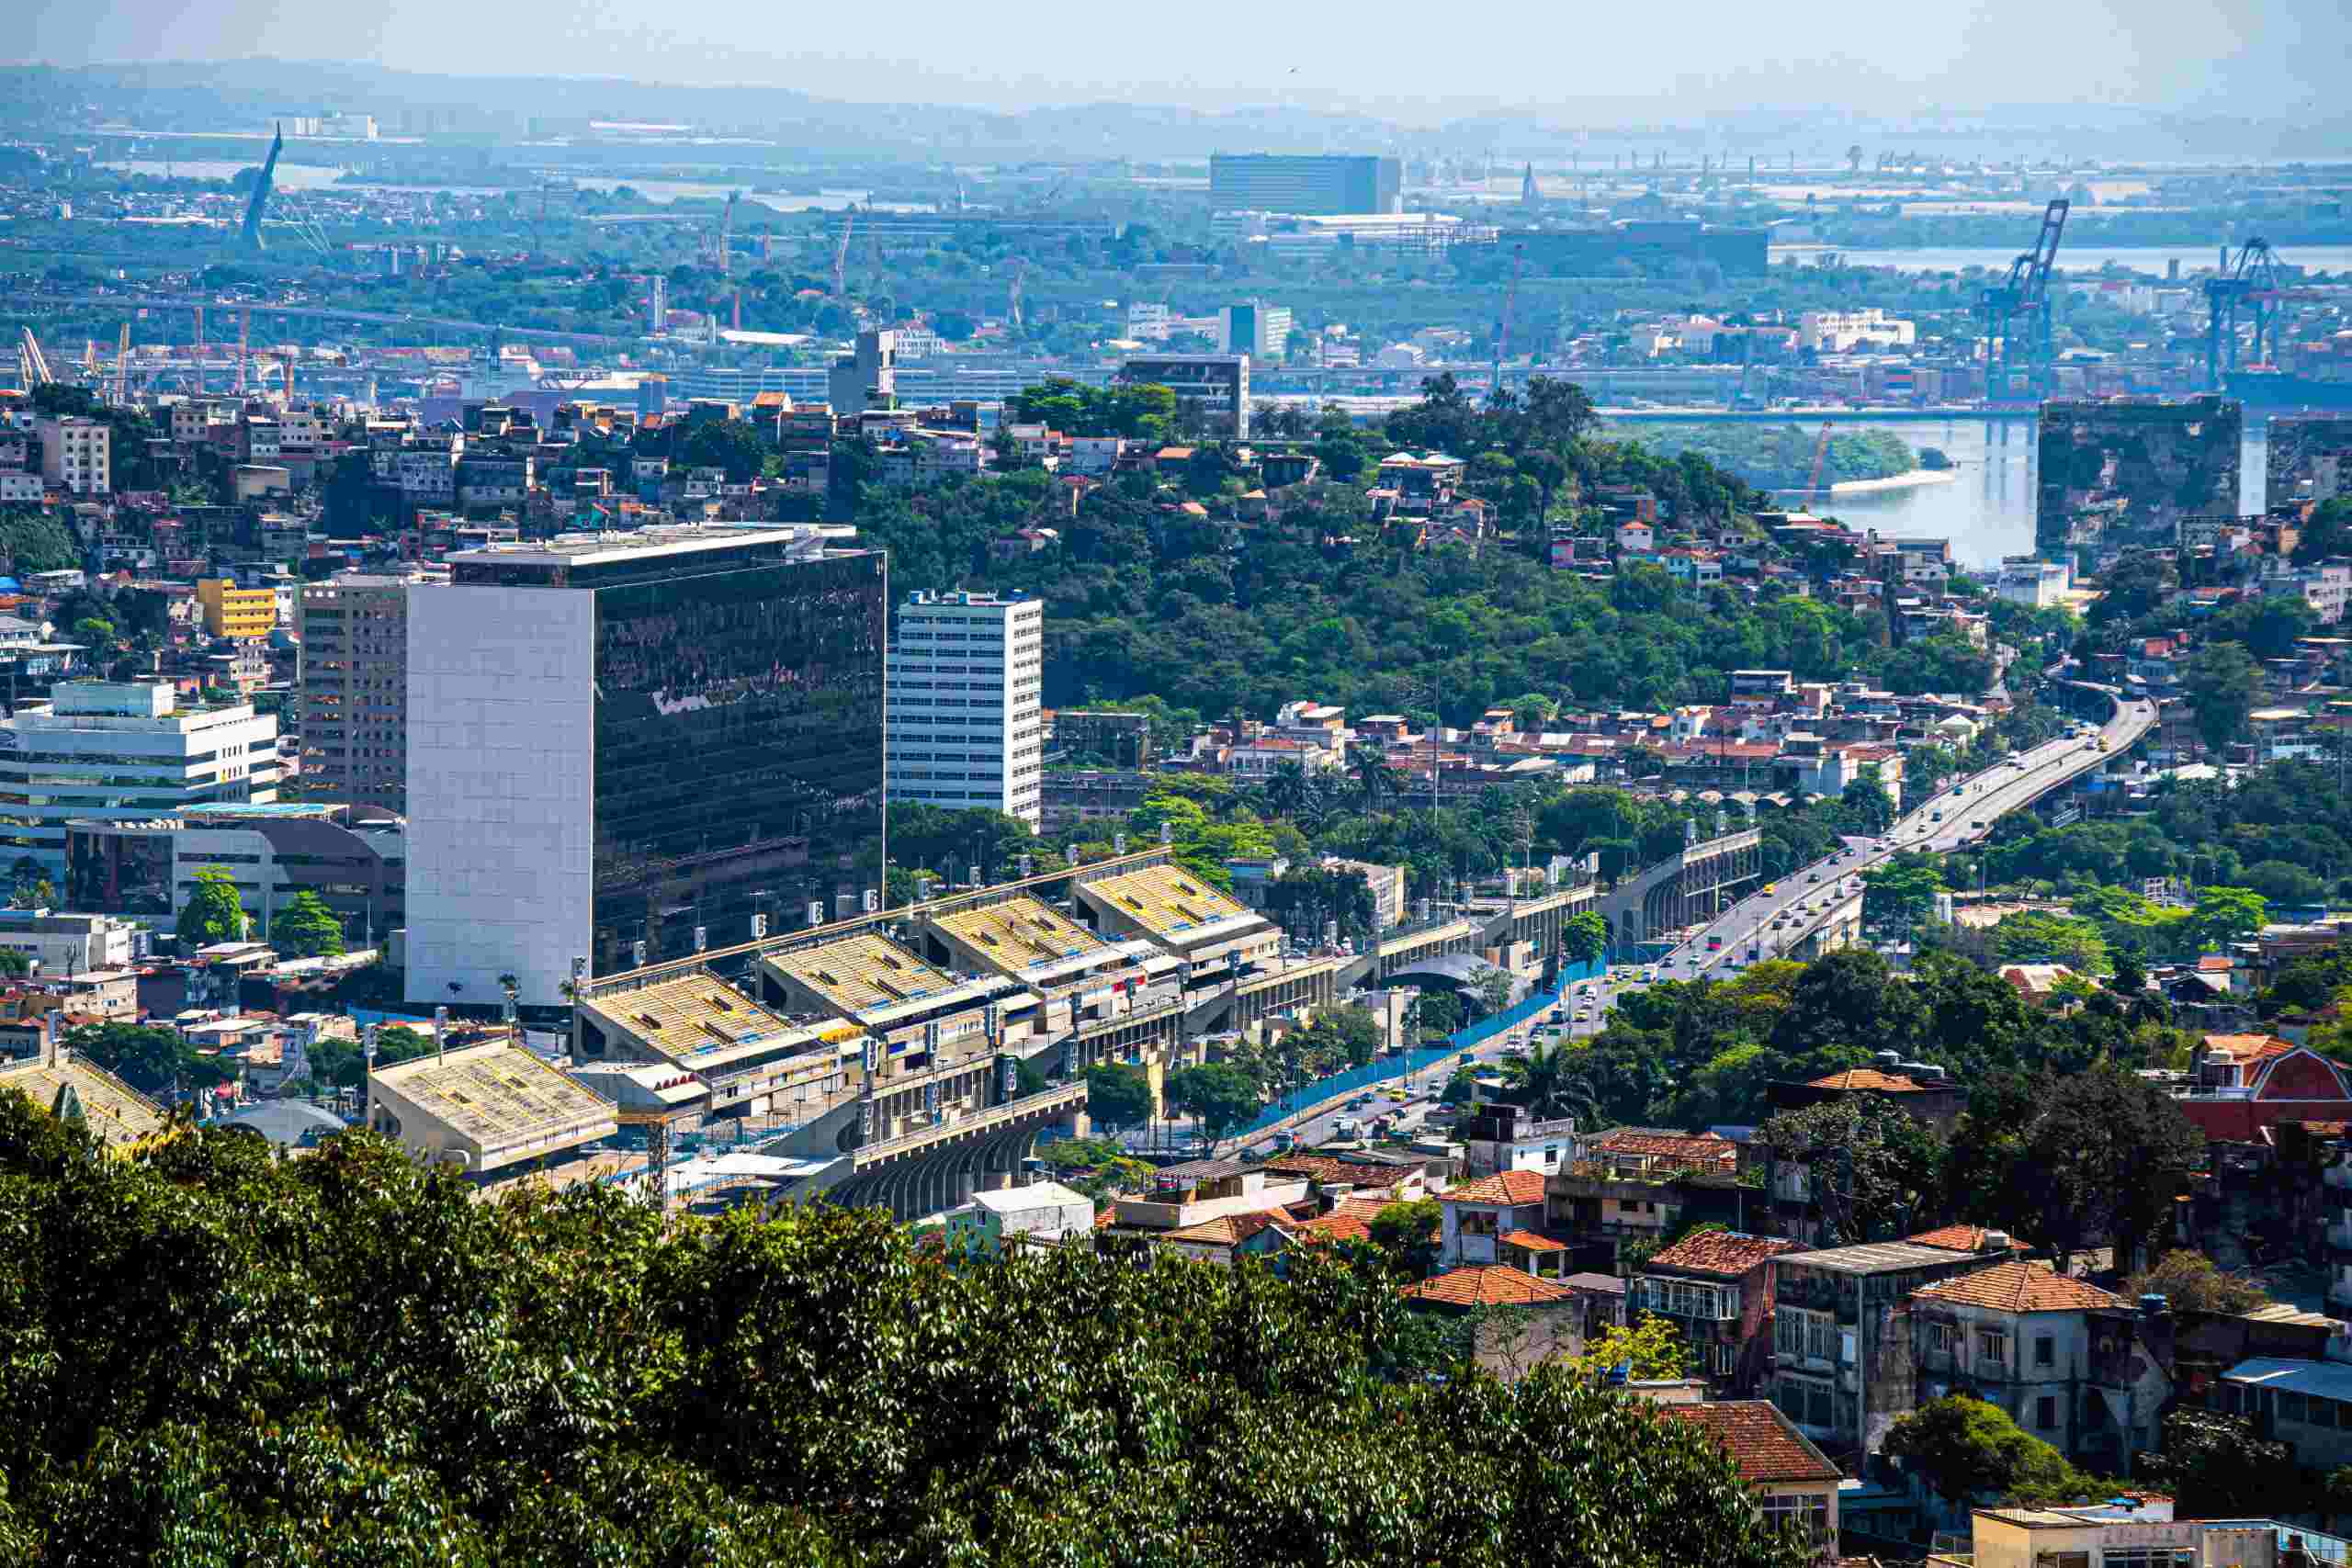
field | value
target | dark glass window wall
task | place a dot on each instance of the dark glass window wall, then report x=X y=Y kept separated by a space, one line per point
x=739 y=750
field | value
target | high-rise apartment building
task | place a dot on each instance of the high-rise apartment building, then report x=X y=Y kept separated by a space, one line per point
x=355 y=689
x=1214 y=385
x=113 y=751
x=1256 y=329
x=2126 y=471
x=2309 y=458
x=968 y=726
x=619 y=741
x=866 y=377
x=1271 y=182
x=76 y=452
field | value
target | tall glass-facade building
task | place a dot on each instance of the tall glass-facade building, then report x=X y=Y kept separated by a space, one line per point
x=618 y=741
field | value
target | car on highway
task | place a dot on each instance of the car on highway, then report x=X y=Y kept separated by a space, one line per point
x=1771 y=887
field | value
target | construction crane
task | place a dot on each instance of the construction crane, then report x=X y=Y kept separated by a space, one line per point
x=251 y=233
x=727 y=232
x=2245 y=292
x=36 y=363
x=840 y=258
x=1820 y=460
x=1502 y=327
x=2024 y=295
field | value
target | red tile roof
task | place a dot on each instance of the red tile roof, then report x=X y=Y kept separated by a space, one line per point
x=1510 y=1187
x=1706 y=1146
x=1869 y=1077
x=2246 y=1047
x=1531 y=1242
x=1334 y=1172
x=1760 y=1440
x=2019 y=1287
x=1961 y=1238
x=1491 y=1285
x=1228 y=1230
x=1727 y=1253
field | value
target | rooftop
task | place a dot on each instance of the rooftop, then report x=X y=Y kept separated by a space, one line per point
x=2328 y=1380
x=113 y=1111
x=862 y=972
x=1873 y=1258
x=497 y=1096
x=1510 y=1187
x=696 y=1020
x=2020 y=1286
x=1725 y=1252
x=1166 y=900
x=1870 y=1078
x=1491 y=1285
x=1760 y=1440
x=1962 y=1238
x=1021 y=935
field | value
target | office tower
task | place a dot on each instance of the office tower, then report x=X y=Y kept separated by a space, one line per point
x=355 y=690
x=867 y=378
x=1215 y=386
x=1266 y=182
x=1256 y=329
x=113 y=751
x=616 y=740
x=2307 y=459
x=2125 y=471
x=967 y=731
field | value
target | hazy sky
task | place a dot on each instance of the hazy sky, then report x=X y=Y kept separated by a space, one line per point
x=1585 y=63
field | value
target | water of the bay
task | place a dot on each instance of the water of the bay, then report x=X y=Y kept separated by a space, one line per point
x=1987 y=510
x=2151 y=260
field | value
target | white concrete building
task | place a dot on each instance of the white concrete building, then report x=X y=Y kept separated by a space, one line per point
x=122 y=751
x=967 y=725
x=76 y=454
x=623 y=746
x=1836 y=331
x=2035 y=583
x=68 y=944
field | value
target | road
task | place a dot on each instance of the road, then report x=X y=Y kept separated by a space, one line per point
x=306 y=308
x=1958 y=814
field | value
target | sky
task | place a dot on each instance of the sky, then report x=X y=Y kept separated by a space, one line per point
x=1416 y=63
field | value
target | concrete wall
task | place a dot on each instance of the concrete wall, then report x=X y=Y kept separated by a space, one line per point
x=501 y=788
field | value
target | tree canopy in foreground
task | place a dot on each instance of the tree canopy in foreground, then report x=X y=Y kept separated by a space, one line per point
x=209 y=1354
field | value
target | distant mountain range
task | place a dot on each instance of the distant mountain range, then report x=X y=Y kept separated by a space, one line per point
x=242 y=93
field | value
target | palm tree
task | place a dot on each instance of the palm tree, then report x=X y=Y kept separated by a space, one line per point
x=1374 y=778
x=1287 y=789
x=1546 y=1083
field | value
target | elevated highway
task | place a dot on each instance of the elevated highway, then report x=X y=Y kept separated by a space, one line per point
x=1958 y=813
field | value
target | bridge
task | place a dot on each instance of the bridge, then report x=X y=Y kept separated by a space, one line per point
x=1959 y=813
x=1694 y=883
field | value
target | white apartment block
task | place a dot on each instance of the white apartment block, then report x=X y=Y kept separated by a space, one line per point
x=76 y=454
x=1835 y=331
x=967 y=725
x=122 y=751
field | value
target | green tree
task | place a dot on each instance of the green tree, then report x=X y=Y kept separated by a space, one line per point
x=1491 y=988
x=1649 y=1349
x=2219 y=1466
x=2103 y=1162
x=1221 y=1096
x=1584 y=938
x=1410 y=1234
x=1117 y=1096
x=2034 y=936
x=1875 y=1173
x=2222 y=682
x=212 y=913
x=1547 y=1082
x=2190 y=1281
x=307 y=928
x=147 y=1056
x=1900 y=892
x=1970 y=1451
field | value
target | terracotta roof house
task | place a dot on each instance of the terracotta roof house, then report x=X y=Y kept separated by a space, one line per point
x=1970 y=1238
x=1794 y=1482
x=1549 y=1324
x=1923 y=1089
x=1479 y=1213
x=2240 y=1085
x=1716 y=1287
x=2068 y=1361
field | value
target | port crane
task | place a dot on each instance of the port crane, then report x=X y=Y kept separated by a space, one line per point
x=2017 y=313
x=1502 y=326
x=2246 y=291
